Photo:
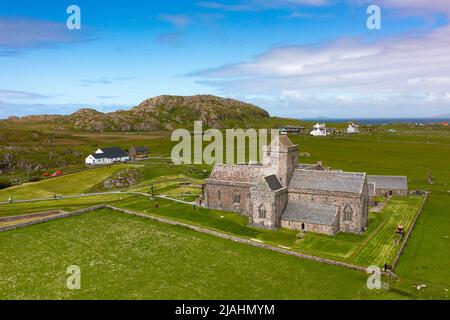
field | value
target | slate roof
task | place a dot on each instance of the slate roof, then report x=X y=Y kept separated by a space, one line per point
x=389 y=182
x=108 y=153
x=273 y=182
x=236 y=173
x=328 y=181
x=310 y=213
x=306 y=166
x=285 y=141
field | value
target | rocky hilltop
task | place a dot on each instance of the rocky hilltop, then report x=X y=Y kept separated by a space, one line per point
x=160 y=113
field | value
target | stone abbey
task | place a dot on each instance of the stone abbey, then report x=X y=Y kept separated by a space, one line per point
x=281 y=192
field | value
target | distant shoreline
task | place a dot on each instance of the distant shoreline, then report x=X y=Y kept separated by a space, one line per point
x=380 y=120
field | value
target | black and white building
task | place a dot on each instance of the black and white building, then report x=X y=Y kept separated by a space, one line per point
x=107 y=156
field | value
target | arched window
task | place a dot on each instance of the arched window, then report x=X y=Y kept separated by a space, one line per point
x=236 y=197
x=262 y=212
x=348 y=213
x=218 y=194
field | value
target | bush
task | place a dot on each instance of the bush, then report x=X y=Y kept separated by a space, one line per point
x=4 y=182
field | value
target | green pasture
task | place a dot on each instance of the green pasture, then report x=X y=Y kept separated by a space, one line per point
x=375 y=247
x=126 y=257
x=12 y=209
x=71 y=184
x=410 y=152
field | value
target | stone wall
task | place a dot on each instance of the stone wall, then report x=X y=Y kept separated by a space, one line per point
x=405 y=240
x=360 y=211
x=51 y=218
x=246 y=241
x=395 y=192
x=310 y=227
x=274 y=203
x=31 y=215
x=224 y=201
x=199 y=229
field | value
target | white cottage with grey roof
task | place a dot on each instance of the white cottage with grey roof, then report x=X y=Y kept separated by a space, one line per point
x=106 y=156
x=280 y=192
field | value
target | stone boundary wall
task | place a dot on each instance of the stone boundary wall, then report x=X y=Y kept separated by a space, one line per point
x=198 y=229
x=402 y=248
x=31 y=215
x=66 y=215
x=246 y=241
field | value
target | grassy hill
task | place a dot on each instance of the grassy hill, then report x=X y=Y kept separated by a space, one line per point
x=155 y=114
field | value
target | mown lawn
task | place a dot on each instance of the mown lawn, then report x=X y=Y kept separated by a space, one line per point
x=126 y=257
x=426 y=258
x=375 y=247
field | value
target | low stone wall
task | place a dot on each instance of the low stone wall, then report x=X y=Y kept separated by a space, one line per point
x=198 y=229
x=31 y=215
x=51 y=218
x=402 y=248
x=245 y=241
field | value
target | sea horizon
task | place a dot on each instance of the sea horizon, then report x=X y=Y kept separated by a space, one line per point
x=413 y=120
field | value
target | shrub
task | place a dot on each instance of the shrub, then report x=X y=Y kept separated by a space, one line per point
x=4 y=182
x=35 y=179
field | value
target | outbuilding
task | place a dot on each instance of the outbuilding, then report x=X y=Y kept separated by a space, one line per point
x=389 y=185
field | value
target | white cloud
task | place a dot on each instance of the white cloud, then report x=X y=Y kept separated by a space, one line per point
x=20 y=95
x=260 y=5
x=412 y=7
x=396 y=70
x=23 y=33
x=291 y=95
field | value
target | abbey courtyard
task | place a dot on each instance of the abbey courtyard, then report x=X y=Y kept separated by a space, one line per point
x=280 y=192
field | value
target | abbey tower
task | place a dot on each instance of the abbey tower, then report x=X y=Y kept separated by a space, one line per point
x=280 y=158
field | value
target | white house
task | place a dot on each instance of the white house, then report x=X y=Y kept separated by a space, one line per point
x=319 y=130
x=107 y=156
x=353 y=129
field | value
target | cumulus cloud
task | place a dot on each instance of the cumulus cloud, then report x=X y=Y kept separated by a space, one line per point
x=348 y=67
x=408 y=73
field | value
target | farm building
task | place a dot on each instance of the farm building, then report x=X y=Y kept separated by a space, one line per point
x=389 y=185
x=291 y=129
x=138 y=152
x=107 y=156
x=353 y=129
x=319 y=130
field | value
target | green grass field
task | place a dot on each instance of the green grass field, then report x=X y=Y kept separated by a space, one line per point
x=65 y=204
x=75 y=183
x=125 y=257
x=375 y=247
x=411 y=152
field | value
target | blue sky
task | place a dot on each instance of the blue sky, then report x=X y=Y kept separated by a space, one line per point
x=297 y=58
